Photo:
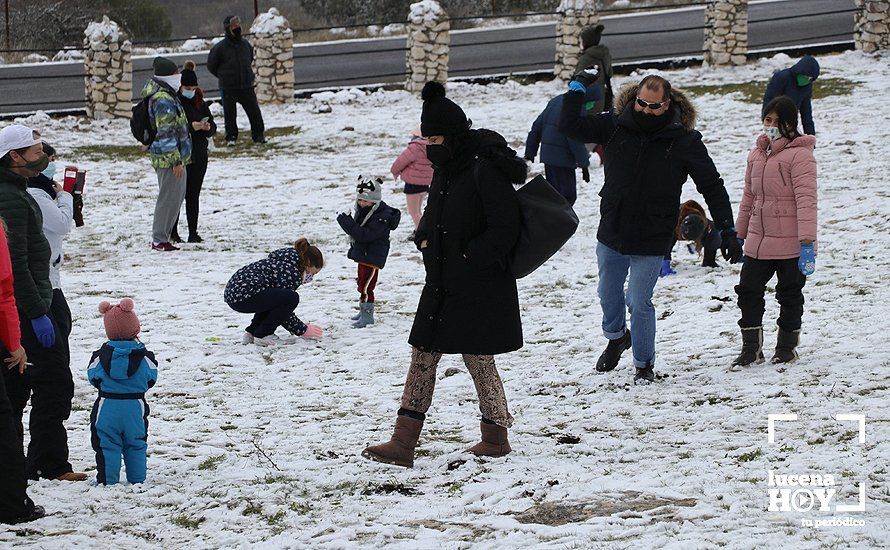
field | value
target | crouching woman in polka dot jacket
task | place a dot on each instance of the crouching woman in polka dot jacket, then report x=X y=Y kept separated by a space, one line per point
x=268 y=289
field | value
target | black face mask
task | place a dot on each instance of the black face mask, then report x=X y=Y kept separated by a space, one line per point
x=236 y=33
x=438 y=154
x=648 y=122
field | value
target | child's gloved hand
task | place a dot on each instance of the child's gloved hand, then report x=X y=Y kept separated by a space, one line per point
x=345 y=221
x=807 y=261
x=666 y=269
x=313 y=332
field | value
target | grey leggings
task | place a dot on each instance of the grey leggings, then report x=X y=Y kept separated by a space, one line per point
x=418 y=393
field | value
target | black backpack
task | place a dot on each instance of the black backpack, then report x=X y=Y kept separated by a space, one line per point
x=140 y=123
x=548 y=222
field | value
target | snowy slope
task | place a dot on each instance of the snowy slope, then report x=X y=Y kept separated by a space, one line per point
x=251 y=447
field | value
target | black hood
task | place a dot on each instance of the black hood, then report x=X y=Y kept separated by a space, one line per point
x=226 y=23
x=488 y=145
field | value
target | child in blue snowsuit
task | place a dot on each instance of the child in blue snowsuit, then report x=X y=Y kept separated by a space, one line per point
x=122 y=370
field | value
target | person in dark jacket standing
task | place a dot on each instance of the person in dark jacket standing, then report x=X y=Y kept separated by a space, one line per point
x=796 y=83
x=230 y=61
x=560 y=155
x=369 y=229
x=48 y=383
x=597 y=55
x=651 y=148
x=469 y=304
x=201 y=128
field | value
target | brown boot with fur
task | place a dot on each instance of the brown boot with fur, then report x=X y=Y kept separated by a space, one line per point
x=399 y=450
x=494 y=441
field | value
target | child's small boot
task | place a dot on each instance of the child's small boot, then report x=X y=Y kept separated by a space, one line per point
x=358 y=315
x=752 y=347
x=786 y=344
x=366 y=315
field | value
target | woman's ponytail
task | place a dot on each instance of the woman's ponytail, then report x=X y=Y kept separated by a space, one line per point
x=309 y=255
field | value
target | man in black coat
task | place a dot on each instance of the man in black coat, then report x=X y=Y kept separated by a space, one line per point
x=230 y=61
x=651 y=148
x=469 y=304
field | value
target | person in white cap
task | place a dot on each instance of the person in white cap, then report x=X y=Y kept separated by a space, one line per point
x=48 y=382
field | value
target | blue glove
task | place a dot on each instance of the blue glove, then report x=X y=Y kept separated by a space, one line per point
x=807 y=261
x=666 y=269
x=44 y=330
x=345 y=221
x=575 y=86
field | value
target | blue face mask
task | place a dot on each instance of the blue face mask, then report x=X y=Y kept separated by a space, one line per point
x=307 y=278
x=188 y=94
x=50 y=171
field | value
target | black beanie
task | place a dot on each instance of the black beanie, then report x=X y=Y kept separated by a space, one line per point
x=189 y=78
x=163 y=66
x=440 y=116
x=590 y=36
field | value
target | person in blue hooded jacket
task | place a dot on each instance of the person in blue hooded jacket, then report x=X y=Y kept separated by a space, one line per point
x=122 y=370
x=797 y=84
x=368 y=230
x=561 y=155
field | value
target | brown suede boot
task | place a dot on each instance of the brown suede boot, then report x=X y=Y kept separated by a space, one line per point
x=399 y=450
x=494 y=441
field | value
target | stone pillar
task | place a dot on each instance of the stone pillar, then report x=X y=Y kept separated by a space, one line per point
x=726 y=32
x=428 y=39
x=273 y=63
x=108 y=71
x=872 y=20
x=573 y=16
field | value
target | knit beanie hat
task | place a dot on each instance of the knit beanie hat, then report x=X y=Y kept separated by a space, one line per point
x=370 y=190
x=121 y=322
x=440 y=116
x=189 y=78
x=163 y=66
x=590 y=36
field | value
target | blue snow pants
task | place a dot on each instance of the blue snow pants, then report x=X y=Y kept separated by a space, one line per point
x=119 y=427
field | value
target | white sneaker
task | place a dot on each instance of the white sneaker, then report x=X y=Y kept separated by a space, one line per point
x=274 y=340
x=247 y=338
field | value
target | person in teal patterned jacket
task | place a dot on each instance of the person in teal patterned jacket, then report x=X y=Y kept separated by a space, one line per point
x=170 y=151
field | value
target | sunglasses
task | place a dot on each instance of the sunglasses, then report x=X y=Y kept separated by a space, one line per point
x=655 y=106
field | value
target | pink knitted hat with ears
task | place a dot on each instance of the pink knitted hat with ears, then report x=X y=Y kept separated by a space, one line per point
x=121 y=322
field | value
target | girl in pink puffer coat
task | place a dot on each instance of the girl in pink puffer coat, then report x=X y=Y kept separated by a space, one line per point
x=777 y=219
x=417 y=173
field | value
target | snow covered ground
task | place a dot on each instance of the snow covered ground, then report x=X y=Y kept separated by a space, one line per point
x=251 y=447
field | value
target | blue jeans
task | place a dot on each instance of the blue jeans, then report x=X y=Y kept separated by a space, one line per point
x=613 y=268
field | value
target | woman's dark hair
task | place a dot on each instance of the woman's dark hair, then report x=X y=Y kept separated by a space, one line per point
x=310 y=256
x=784 y=108
x=48 y=149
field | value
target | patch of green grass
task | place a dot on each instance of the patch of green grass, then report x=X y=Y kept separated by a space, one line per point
x=211 y=463
x=252 y=510
x=455 y=488
x=282 y=131
x=752 y=92
x=711 y=400
x=684 y=455
x=187 y=522
x=753 y=455
x=228 y=427
x=301 y=508
x=109 y=152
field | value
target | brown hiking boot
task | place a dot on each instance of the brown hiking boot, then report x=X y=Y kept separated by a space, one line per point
x=72 y=476
x=399 y=450
x=494 y=441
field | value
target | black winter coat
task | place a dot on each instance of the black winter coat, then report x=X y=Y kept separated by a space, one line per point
x=644 y=174
x=194 y=113
x=28 y=248
x=229 y=61
x=370 y=242
x=469 y=302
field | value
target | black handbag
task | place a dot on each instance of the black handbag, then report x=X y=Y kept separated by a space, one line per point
x=547 y=223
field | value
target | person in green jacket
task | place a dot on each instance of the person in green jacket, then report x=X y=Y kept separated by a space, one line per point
x=48 y=382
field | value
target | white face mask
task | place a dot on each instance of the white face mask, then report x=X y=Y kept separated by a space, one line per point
x=772 y=132
x=173 y=80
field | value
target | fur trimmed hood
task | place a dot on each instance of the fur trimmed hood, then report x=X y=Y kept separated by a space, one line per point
x=680 y=103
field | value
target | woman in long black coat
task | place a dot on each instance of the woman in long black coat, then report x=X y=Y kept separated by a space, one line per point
x=469 y=303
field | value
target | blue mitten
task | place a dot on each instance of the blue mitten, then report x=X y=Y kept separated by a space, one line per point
x=44 y=330
x=807 y=261
x=666 y=269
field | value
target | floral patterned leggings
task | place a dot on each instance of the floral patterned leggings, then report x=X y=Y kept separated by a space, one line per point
x=418 y=393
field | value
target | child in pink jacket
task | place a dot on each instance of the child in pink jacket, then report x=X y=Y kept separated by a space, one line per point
x=777 y=219
x=417 y=173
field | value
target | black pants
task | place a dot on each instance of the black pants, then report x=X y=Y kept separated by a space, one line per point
x=272 y=307
x=563 y=180
x=247 y=99
x=50 y=387
x=14 y=501
x=194 y=179
x=789 y=292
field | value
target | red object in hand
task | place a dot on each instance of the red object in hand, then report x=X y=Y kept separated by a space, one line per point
x=70 y=178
